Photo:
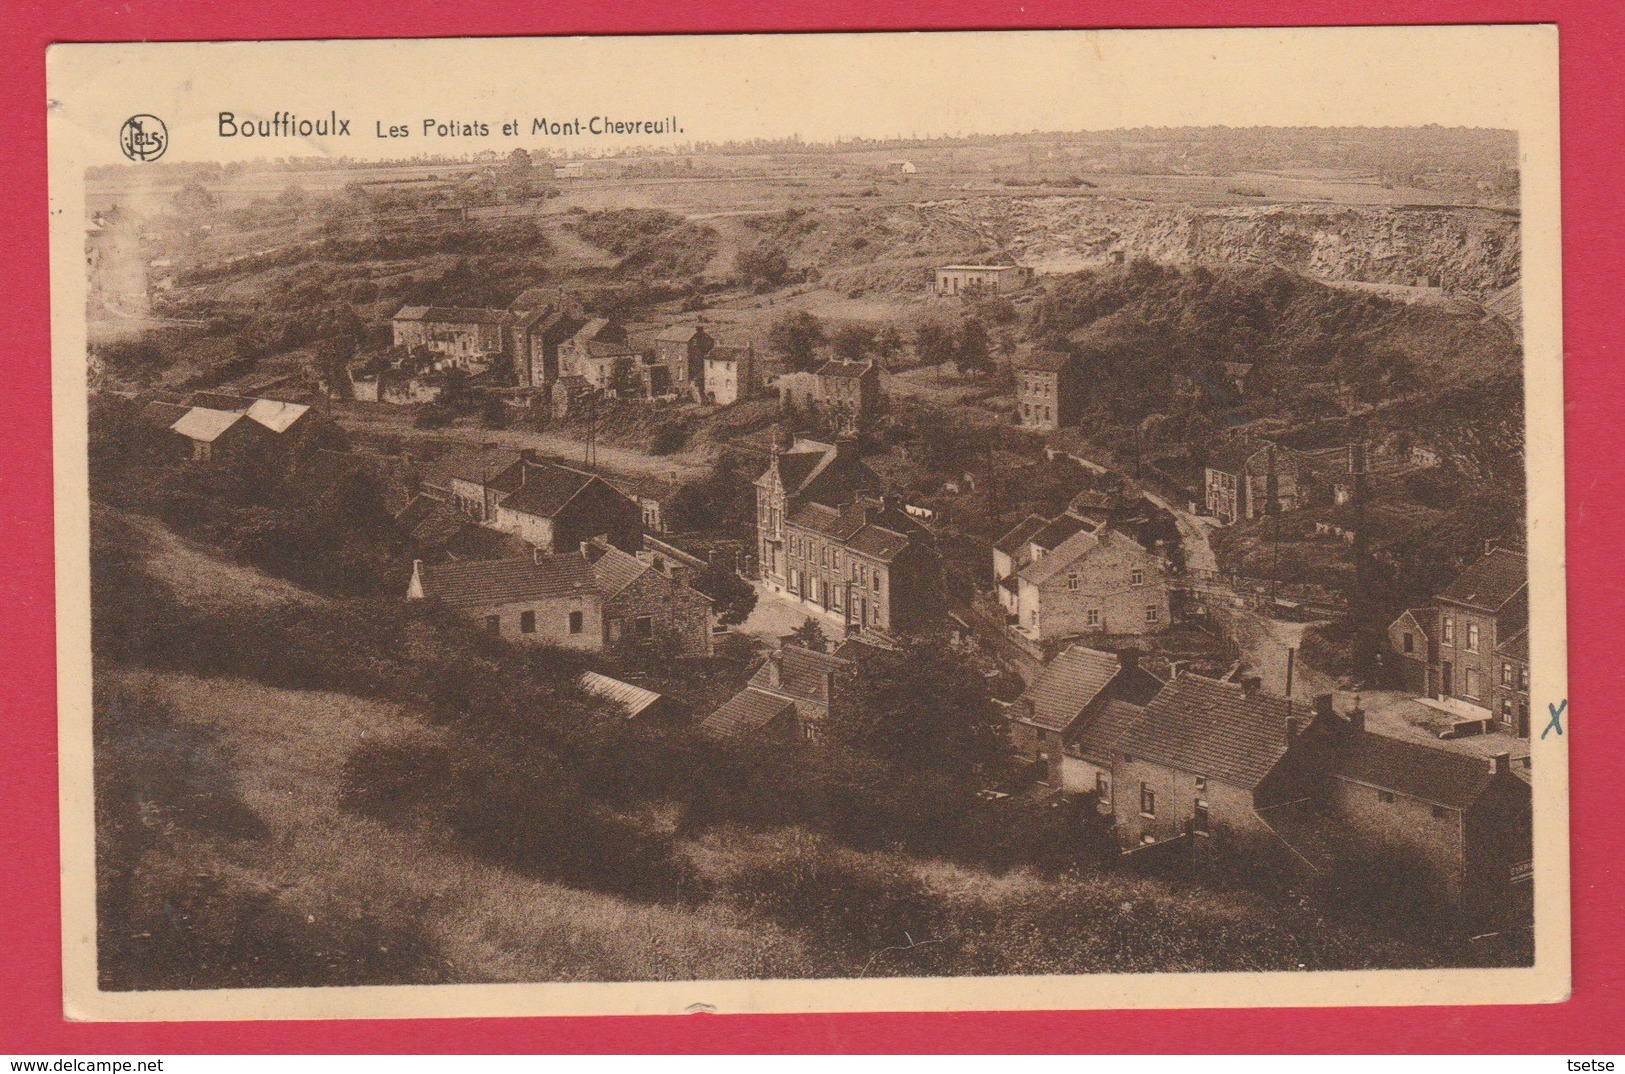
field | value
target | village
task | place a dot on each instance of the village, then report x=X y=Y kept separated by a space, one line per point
x=1166 y=626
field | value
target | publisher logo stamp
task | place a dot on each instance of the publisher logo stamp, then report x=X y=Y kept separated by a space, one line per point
x=144 y=138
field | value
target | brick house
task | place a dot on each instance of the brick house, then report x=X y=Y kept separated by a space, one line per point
x=1413 y=645
x=681 y=351
x=1250 y=479
x=848 y=392
x=1483 y=610
x=1049 y=391
x=787 y=699
x=730 y=373
x=825 y=539
x=1072 y=576
x=1509 y=698
x=593 y=598
x=1070 y=696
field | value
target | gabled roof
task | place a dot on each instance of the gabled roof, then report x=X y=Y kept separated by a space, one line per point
x=836 y=367
x=594 y=328
x=206 y=425
x=1013 y=541
x=1516 y=647
x=1211 y=729
x=1422 y=618
x=162 y=414
x=878 y=542
x=632 y=700
x=823 y=519
x=1430 y=773
x=1488 y=584
x=1058 y=530
x=1069 y=685
x=614 y=570
x=801 y=673
x=276 y=415
x=482 y=582
x=545 y=488
x=479 y=465
x=747 y=712
x=730 y=352
x=1099 y=735
x=1080 y=545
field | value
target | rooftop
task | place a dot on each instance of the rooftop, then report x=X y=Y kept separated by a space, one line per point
x=479 y=583
x=1212 y=729
x=1069 y=685
x=1431 y=773
x=632 y=700
x=745 y=713
x=1496 y=578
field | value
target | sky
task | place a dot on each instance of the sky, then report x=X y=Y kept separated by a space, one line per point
x=821 y=87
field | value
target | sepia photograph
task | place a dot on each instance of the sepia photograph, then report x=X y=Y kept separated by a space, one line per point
x=1024 y=524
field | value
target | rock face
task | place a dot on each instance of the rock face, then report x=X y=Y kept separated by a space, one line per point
x=1465 y=250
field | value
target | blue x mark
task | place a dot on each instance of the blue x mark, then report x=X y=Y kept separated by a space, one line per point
x=1557 y=718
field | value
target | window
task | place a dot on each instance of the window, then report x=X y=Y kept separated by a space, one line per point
x=493 y=624
x=575 y=622
x=1440 y=812
x=1506 y=673
x=1506 y=710
x=1472 y=637
x=836 y=560
x=1153 y=614
x=795 y=580
x=614 y=630
x=1199 y=817
x=1092 y=617
x=1148 y=801
x=1032 y=618
x=808 y=733
x=1201 y=783
x=876 y=579
x=835 y=597
x=1103 y=786
x=1449 y=631
x=1409 y=644
x=1385 y=796
x=823 y=555
x=1469 y=682
x=863 y=574
x=1523 y=679
x=1136 y=577
x=527 y=622
x=1072 y=582
x=644 y=626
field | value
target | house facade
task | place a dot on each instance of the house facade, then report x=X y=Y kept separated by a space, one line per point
x=848 y=393
x=827 y=540
x=953 y=280
x=1049 y=392
x=1068 y=698
x=593 y=598
x=1096 y=581
x=730 y=373
x=680 y=350
x=461 y=336
x=547 y=505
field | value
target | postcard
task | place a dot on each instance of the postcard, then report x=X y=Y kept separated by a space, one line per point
x=809 y=522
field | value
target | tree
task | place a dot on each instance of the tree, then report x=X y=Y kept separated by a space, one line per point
x=888 y=341
x=762 y=267
x=973 y=356
x=934 y=342
x=732 y=598
x=796 y=335
x=923 y=705
x=852 y=342
x=809 y=635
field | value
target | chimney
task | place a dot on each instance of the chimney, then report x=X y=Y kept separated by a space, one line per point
x=1323 y=705
x=829 y=687
x=536 y=554
x=1292 y=729
x=775 y=669
x=584 y=546
x=1356 y=717
x=1251 y=684
x=1501 y=764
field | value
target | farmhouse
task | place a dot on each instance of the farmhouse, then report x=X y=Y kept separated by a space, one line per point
x=1069 y=697
x=597 y=352
x=592 y=598
x=730 y=373
x=991 y=279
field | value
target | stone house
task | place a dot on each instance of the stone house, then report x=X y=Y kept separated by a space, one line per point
x=730 y=373
x=1096 y=581
x=1068 y=697
x=787 y=699
x=1250 y=479
x=461 y=336
x=548 y=505
x=797 y=389
x=1204 y=755
x=596 y=351
x=1049 y=391
x=593 y=598
x=540 y=321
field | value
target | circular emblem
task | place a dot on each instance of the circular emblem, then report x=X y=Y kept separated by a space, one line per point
x=143 y=138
